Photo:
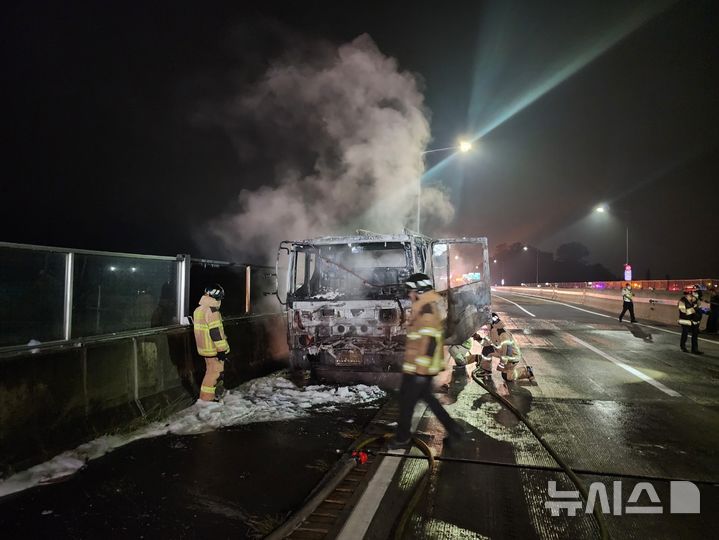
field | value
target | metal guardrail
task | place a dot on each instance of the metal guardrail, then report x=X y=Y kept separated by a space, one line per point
x=671 y=285
x=53 y=346
x=45 y=280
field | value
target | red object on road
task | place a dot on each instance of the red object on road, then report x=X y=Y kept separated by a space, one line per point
x=360 y=457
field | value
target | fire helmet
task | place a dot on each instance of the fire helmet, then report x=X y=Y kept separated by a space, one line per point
x=215 y=291
x=419 y=282
x=494 y=319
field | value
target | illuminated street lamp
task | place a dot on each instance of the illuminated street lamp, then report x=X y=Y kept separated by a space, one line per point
x=602 y=209
x=536 y=251
x=463 y=147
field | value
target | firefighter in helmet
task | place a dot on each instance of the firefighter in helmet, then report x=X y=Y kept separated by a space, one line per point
x=508 y=352
x=424 y=358
x=211 y=342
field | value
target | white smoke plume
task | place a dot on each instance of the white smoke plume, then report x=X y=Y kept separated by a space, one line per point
x=345 y=130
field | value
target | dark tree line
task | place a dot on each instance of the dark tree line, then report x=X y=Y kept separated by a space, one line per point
x=519 y=263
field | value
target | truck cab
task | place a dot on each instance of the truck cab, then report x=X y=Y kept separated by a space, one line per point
x=347 y=305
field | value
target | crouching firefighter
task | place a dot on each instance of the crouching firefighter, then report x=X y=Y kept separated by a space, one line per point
x=484 y=365
x=424 y=358
x=211 y=342
x=508 y=352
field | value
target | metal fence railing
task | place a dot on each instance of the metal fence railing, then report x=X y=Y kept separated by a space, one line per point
x=55 y=295
x=671 y=285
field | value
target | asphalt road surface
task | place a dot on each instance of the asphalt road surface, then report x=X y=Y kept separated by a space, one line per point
x=617 y=401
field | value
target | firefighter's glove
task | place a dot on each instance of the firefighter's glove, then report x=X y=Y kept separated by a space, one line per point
x=221 y=356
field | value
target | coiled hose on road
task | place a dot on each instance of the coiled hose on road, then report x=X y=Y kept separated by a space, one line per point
x=603 y=532
x=350 y=463
x=321 y=492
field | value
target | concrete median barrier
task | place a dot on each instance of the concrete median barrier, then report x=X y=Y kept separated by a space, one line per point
x=53 y=399
x=653 y=306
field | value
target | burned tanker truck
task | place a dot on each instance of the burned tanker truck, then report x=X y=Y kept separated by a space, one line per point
x=347 y=305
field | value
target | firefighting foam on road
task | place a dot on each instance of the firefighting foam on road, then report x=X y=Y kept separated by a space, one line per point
x=269 y=399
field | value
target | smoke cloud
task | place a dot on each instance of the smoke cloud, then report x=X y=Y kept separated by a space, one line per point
x=344 y=130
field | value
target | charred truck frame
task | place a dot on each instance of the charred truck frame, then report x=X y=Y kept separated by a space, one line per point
x=347 y=305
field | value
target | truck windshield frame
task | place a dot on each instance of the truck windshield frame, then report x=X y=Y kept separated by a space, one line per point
x=367 y=270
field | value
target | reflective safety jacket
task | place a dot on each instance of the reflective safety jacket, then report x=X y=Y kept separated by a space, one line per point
x=424 y=354
x=506 y=347
x=687 y=312
x=209 y=332
x=627 y=294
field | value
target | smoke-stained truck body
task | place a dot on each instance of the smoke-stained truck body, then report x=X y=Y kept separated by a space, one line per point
x=347 y=305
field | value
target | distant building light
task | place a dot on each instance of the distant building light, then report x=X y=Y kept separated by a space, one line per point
x=133 y=269
x=113 y=268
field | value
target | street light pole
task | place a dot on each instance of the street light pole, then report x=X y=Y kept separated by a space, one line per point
x=464 y=147
x=627 y=243
x=602 y=209
x=536 y=255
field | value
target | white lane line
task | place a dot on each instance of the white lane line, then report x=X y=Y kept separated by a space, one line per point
x=359 y=521
x=563 y=304
x=610 y=316
x=630 y=369
x=520 y=307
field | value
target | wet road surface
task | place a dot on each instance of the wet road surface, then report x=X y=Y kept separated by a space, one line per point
x=611 y=398
x=615 y=400
x=238 y=482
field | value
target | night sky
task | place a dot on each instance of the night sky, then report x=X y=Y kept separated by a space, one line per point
x=103 y=149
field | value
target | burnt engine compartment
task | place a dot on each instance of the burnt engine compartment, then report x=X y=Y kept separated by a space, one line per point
x=355 y=334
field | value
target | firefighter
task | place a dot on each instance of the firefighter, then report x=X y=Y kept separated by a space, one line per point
x=508 y=352
x=689 y=319
x=211 y=342
x=484 y=365
x=628 y=302
x=424 y=358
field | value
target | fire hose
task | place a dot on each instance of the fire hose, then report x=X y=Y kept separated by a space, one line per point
x=603 y=532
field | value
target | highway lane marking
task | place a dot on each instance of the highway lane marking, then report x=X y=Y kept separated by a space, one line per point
x=359 y=520
x=630 y=369
x=608 y=316
x=515 y=303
